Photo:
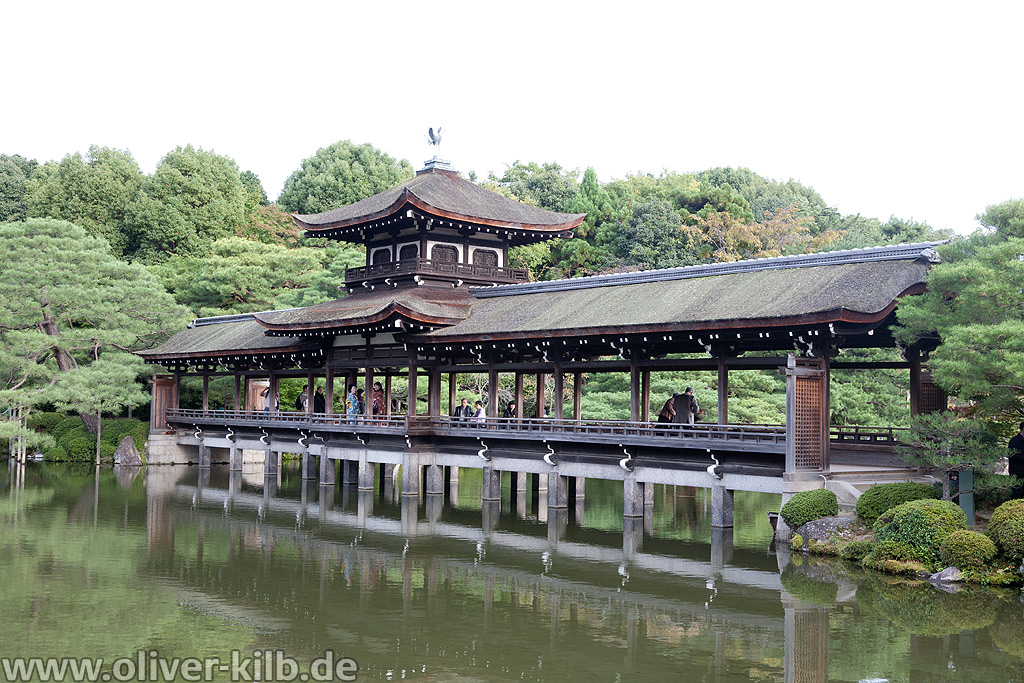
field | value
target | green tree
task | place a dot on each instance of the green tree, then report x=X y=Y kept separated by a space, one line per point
x=254 y=188
x=106 y=385
x=766 y=197
x=15 y=171
x=326 y=280
x=1007 y=218
x=92 y=191
x=548 y=185
x=653 y=237
x=193 y=198
x=974 y=306
x=592 y=246
x=67 y=301
x=237 y=276
x=341 y=174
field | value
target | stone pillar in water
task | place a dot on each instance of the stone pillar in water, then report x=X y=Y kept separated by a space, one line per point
x=410 y=474
x=633 y=495
x=234 y=458
x=435 y=479
x=366 y=478
x=327 y=471
x=721 y=507
x=271 y=462
x=558 y=491
x=491 y=489
x=204 y=456
x=308 y=466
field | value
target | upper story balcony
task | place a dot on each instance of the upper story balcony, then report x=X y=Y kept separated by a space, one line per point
x=394 y=272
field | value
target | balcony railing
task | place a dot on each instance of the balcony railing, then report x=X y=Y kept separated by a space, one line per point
x=423 y=266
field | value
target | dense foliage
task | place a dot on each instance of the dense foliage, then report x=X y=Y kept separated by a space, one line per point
x=877 y=499
x=967 y=550
x=917 y=528
x=806 y=506
x=1006 y=528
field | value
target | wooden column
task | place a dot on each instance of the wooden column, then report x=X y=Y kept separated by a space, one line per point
x=492 y=390
x=452 y=387
x=541 y=378
x=238 y=392
x=519 y=394
x=176 y=393
x=206 y=392
x=329 y=390
x=634 y=391
x=368 y=389
x=558 y=392
x=163 y=396
x=577 y=396
x=645 y=396
x=723 y=391
x=309 y=391
x=433 y=392
x=914 y=356
x=412 y=388
x=387 y=393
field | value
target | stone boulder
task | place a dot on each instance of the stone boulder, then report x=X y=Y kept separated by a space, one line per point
x=825 y=528
x=126 y=454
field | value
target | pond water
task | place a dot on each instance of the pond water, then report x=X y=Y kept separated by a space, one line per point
x=177 y=562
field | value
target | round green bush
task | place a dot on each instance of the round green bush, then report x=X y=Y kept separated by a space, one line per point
x=1006 y=527
x=44 y=421
x=855 y=550
x=882 y=497
x=56 y=454
x=809 y=505
x=967 y=550
x=921 y=524
x=890 y=549
x=80 y=448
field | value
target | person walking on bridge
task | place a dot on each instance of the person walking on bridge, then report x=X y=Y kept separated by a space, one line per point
x=686 y=407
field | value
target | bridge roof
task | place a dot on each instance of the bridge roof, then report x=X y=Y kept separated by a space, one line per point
x=222 y=336
x=444 y=194
x=854 y=286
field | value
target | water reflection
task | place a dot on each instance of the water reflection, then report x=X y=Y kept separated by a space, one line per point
x=445 y=586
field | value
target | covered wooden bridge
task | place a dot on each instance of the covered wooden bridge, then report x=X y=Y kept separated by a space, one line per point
x=437 y=297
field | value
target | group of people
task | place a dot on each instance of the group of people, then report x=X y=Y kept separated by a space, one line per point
x=474 y=413
x=680 y=408
x=355 y=401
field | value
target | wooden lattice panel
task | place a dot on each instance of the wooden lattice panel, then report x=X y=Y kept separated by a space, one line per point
x=807 y=422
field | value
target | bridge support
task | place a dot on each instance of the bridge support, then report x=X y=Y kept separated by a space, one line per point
x=453 y=486
x=633 y=496
x=234 y=459
x=491 y=489
x=271 y=462
x=350 y=472
x=520 y=481
x=411 y=474
x=558 y=491
x=721 y=507
x=366 y=478
x=434 y=479
x=327 y=470
x=204 y=456
x=308 y=466
x=581 y=489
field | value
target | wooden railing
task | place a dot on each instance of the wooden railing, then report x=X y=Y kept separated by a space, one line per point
x=745 y=435
x=428 y=266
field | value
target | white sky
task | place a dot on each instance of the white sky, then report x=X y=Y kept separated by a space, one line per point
x=885 y=108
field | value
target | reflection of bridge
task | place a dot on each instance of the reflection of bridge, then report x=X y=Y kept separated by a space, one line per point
x=561 y=452
x=725 y=597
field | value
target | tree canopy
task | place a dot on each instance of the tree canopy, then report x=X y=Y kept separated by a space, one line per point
x=340 y=174
x=15 y=171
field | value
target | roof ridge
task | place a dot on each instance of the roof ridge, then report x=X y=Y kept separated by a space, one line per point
x=891 y=252
x=233 y=318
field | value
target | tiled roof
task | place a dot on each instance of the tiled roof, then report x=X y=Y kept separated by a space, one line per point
x=445 y=194
x=219 y=337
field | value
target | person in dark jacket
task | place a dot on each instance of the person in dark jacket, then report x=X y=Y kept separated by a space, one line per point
x=464 y=411
x=668 y=411
x=319 y=401
x=686 y=407
x=1017 y=460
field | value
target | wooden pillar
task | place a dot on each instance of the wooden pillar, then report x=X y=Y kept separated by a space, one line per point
x=558 y=392
x=541 y=379
x=519 y=394
x=645 y=396
x=412 y=388
x=807 y=413
x=634 y=391
x=176 y=393
x=163 y=395
x=309 y=391
x=492 y=390
x=368 y=389
x=452 y=390
x=434 y=392
x=723 y=391
x=329 y=390
x=387 y=393
x=238 y=392
x=577 y=396
x=206 y=392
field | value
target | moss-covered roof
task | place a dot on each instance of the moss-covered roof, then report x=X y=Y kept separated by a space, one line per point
x=444 y=193
x=429 y=305
x=221 y=337
x=851 y=292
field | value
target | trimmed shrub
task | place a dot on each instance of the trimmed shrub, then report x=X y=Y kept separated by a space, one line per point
x=882 y=497
x=1007 y=527
x=967 y=550
x=56 y=454
x=809 y=505
x=44 y=421
x=855 y=550
x=899 y=551
x=81 y=448
x=921 y=524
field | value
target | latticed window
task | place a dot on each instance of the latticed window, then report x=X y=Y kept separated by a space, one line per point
x=444 y=254
x=485 y=257
x=381 y=256
x=409 y=251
